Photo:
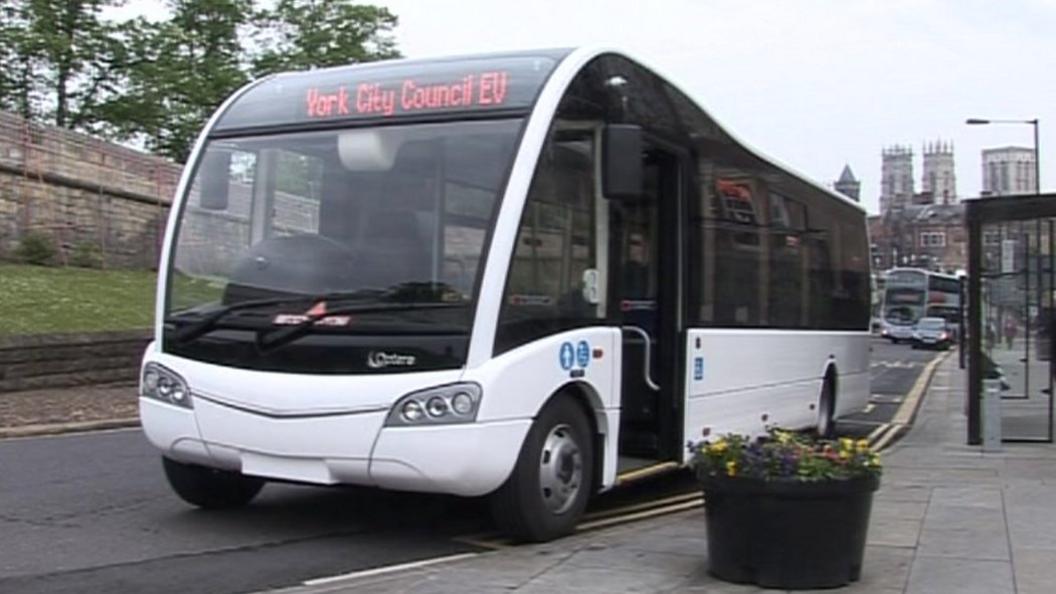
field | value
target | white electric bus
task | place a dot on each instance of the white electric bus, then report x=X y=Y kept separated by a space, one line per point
x=524 y=275
x=914 y=293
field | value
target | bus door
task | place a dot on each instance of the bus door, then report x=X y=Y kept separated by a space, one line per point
x=643 y=276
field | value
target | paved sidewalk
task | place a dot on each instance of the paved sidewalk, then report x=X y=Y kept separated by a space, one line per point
x=947 y=519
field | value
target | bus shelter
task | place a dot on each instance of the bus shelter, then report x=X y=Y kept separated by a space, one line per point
x=1011 y=252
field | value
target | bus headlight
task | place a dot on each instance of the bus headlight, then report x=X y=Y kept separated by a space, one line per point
x=442 y=405
x=164 y=385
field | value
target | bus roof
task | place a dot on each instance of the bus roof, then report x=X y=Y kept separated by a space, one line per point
x=413 y=89
x=486 y=84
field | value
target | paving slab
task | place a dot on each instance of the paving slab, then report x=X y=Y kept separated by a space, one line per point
x=941 y=575
x=1035 y=570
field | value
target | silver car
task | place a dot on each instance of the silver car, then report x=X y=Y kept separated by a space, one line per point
x=932 y=333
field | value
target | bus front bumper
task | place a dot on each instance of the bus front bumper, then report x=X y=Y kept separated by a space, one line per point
x=468 y=459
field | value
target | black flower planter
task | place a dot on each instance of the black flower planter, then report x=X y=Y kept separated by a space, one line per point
x=786 y=534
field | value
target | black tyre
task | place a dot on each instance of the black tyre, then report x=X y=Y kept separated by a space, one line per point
x=548 y=489
x=827 y=409
x=210 y=488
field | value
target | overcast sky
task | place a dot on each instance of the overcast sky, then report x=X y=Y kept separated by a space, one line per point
x=814 y=84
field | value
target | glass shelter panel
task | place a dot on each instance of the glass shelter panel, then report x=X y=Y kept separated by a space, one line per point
x=1016 y=310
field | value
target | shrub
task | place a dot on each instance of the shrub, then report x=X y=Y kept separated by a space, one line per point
x=785 y=456
x=36 y=248
x=86 y=255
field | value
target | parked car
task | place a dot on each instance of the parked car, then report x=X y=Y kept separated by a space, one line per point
x=932 y=333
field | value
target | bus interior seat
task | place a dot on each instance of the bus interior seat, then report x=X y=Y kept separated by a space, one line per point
x=392 y=250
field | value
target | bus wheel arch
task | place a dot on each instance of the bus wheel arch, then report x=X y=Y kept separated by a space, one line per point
x=826 y=424
x=544 y=497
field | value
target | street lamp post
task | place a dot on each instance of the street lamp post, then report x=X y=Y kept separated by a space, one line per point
x=1037 y=155
x=1026 y=253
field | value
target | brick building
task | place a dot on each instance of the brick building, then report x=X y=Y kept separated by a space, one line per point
x=929 y=236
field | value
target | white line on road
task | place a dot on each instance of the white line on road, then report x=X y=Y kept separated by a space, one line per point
x=388 y=569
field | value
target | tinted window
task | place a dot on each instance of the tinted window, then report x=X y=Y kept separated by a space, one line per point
x=365 y=216
x=767 y=249
x=555 y=245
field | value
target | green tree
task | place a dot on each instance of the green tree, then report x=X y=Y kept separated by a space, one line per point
x=156 y=82
x=17 y=75
x=177 y=72
x=306 y=34
x=59 y=57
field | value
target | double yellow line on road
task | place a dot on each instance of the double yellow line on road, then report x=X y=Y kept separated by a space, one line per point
x=883 y=435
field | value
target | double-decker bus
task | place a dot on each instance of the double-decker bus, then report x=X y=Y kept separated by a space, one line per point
x=914 y=293
x=529 y=275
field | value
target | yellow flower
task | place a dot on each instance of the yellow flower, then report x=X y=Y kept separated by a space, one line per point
x=783 y=437
x=863 y=446
x=718 y=447
x=846 y=443
x=731 y=468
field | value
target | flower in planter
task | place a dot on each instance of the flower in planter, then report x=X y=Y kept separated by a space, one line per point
x=785 y=456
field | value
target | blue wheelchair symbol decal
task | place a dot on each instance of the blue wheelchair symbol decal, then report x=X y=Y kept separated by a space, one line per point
x=583 y=354
x=567 y=357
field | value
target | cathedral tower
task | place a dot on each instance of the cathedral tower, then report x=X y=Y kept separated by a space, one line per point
x=939 y=178
x=896 y=177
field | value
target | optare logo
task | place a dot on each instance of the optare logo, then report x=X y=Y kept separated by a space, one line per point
x=381 y=359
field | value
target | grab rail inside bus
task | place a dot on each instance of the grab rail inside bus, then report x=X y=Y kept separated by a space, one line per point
x=648 y=354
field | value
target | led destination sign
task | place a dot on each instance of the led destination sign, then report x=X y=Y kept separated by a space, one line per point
x=388 y=90
x=486 y=89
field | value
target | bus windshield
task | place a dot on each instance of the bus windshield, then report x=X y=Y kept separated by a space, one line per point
x=355 y=216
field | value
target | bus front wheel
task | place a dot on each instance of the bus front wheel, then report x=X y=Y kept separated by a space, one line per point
x=209 y=488
x=546 y=493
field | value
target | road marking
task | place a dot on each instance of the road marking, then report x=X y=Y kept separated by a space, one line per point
x=895 y=364
x=890 y=432
x=909 y=406
x=387 y=569
x=871 y=438
x=883 y=435
x=697 y=501
x=616 y=515
x=869 y=408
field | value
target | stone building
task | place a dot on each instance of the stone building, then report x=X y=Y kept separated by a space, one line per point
x=82 y=192
x=848 y=185
x=923 y=229
x=896 y=177
x=940 y=180
x=1009 y=170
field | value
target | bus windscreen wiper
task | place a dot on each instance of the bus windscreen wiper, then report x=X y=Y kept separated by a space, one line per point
x=207 y=322
x=277 y=338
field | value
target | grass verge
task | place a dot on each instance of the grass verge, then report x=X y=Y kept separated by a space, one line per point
x=38 y=299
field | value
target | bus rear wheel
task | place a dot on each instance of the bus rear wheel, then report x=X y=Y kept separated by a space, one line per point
x=209 y=488
x=546 y=493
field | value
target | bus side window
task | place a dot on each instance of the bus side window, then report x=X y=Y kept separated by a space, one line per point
x=555 y=245
x=739 y=278
x=787 y=223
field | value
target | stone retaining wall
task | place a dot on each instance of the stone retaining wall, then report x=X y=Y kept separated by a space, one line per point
x=82 y=191
x=66 y=360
